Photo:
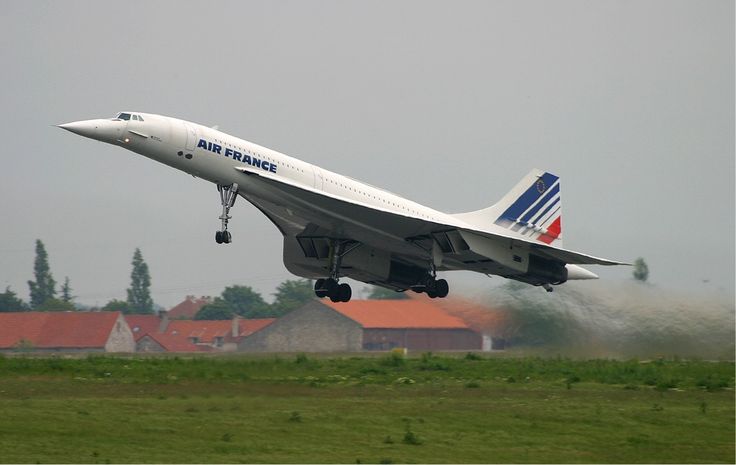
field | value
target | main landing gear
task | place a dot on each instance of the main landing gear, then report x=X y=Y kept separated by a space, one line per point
x=330 y=287
x=431 y=285
x=337 y=292
x=228 y=194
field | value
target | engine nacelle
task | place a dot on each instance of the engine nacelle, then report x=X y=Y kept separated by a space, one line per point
x=404 y=275
x=544 y=271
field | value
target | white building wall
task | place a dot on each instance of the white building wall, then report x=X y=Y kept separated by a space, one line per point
x=121 y=337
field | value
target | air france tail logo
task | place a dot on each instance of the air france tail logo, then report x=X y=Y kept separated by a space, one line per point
x=536 y=212
x=235 y=155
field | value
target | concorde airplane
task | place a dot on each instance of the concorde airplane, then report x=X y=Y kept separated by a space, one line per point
x=335 y=226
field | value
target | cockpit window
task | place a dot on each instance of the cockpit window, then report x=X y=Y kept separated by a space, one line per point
x=123 y=116
x=135 y=117
x=140 y=118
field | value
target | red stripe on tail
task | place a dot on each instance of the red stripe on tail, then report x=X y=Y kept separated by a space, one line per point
x=553 y=232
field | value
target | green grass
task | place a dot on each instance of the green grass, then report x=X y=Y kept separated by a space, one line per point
x=304 y=409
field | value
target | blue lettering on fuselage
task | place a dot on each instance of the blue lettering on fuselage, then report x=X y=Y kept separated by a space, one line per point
x=241 y=157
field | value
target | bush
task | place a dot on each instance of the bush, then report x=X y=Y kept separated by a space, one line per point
x=411 y=438
x=395 y=359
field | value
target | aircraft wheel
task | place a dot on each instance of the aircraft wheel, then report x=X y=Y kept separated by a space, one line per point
x=331 y=286
x=441 y=288
x=218 y=237
x=319 y=288
x=227 y=237
x=344 y=292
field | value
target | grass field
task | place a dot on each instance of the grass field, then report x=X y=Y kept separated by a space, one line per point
x=384 y=409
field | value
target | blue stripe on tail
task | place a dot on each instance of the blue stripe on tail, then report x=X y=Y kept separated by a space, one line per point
x=540 y=187
x=550 y=193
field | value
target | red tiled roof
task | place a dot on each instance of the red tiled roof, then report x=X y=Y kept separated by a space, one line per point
x=141 y=325
x=392 y=314
x=57 y=329
x=205 y=330
x=188 y=308
x=481 y=318
x=248 y=327
x=176 y=343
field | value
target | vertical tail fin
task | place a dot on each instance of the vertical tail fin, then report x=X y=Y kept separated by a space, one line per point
x=531 y=209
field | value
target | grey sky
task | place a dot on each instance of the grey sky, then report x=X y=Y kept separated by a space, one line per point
x=448 y=104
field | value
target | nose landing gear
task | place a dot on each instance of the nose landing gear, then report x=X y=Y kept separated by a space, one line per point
x=228 y=194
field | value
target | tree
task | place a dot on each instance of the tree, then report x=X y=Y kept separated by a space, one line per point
x=139 y=294
x=246 y=302
x=56 y=305
x=292 y=294
x=44 y=287
x=381 y=293
x=116 y=305
x=66 y=291
x=641 y=270
x=219 y=309
x=9 y=302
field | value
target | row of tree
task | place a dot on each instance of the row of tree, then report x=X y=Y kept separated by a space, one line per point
x=247 y=303
x=43 y=293
x=234 y=300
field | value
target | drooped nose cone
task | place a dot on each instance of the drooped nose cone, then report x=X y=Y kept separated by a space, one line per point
x=99 y=129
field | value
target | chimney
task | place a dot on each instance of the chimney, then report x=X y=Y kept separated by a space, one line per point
x=164 y=324
x=236 y=326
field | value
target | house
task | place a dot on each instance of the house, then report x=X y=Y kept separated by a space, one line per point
x=158 y=342
x=493 y=323
x=65 y=332
x=221 y=335
x=141 y=325
x=323 y=326
x=188 y=308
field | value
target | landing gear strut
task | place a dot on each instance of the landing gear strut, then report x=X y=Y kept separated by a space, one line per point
x=430 y=284
x=330 y=287
x=433 y=287
x=228 y=194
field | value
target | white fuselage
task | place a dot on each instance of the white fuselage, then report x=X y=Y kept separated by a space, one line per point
x=216 y=163
x=307 y=202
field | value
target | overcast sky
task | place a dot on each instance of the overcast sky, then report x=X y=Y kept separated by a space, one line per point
x=631 y=103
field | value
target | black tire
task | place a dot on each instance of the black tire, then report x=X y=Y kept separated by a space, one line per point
x=331 y=286
x=442 y=288
x=218 y=237
x=319 y=288
x=344 y=292
x=227 y=237
x=335 y=298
